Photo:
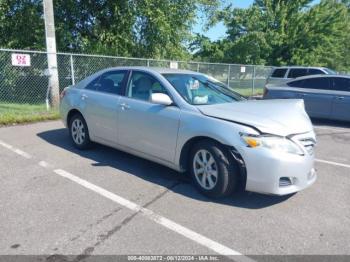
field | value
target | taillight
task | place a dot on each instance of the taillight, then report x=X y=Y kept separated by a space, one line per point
x=265 y=91
x=63 y=93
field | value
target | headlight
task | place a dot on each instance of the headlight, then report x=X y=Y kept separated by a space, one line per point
x=276 y=143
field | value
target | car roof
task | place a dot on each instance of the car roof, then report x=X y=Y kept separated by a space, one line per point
x=305 y=77
x=160 y=70
x=318 y=76
x=302 y=67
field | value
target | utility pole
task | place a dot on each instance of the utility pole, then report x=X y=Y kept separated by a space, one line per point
x=51 y=52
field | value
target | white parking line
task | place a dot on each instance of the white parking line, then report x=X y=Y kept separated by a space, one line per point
x=332 y=163
x=173 y=226
x=177 y=228
x=163 y=221
x=44 y=164
x=16 y=150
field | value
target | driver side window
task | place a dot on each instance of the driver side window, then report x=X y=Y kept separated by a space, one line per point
x=142 y=86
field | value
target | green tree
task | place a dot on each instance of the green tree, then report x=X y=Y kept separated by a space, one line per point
x=21 y=24
x=162 y=27
x=103 y=26
x=346 y=52
x=280 y=32
x=321 y=36
x=147 y=28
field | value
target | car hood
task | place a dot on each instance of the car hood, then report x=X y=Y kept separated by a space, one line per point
x=280 y=117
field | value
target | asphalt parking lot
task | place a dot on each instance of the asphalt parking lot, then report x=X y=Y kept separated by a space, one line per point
x=55 y=200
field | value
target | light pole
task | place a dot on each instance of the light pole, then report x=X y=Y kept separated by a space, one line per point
x=51 y=52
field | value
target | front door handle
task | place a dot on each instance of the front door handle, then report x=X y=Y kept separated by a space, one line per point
x=340 y=97
x=83 y=96
x=124 y=106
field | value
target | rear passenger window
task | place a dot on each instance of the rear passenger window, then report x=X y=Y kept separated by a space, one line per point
x=279 y=73
x=110 y=82
x=297 y=72
x=313 y=71
x=341 y=84
x=298 y=83
x=322 y=83
x=93 y=84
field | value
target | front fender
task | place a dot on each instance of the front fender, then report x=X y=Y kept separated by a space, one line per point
x=196 y=125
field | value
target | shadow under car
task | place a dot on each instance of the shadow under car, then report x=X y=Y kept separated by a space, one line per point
x=155 y=173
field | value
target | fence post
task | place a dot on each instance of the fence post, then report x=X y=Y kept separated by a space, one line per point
x=72 y=69
x=253 y=86
x=197 y=67
x=228 y=75
x=147 y=62
x=51 y=52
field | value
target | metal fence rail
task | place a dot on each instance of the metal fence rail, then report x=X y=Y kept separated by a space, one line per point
x=30 y=84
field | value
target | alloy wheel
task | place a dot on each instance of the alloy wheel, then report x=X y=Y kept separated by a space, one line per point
x=78 y=131
x=205 y=169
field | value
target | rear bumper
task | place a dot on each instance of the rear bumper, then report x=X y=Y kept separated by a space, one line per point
x=265 y=169
x=64 y=112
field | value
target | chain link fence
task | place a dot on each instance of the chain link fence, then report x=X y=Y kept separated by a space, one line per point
x=25 y=82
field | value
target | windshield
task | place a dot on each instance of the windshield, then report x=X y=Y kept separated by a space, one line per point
x=202 y=89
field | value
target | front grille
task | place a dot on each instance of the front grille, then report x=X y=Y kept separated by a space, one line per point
x=309 y=144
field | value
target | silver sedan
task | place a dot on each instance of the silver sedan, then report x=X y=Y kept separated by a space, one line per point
x=191 y=122
x=325 y=96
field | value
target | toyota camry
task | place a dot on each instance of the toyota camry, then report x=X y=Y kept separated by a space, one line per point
x=194 y=124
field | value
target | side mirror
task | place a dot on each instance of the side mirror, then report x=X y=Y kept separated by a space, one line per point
x=161 y=99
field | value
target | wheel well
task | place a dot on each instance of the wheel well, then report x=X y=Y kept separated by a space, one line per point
x=186 y=149
x=71 y=114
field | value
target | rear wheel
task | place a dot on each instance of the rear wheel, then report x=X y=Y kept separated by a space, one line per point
x=213 y=171
x=79 y=132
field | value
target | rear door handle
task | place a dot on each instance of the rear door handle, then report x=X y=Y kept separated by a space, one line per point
x=340 y=97
x=124 y=106
x=83 y=96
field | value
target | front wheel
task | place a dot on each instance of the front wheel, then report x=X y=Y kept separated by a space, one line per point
x=213 y=171
x=79 y=132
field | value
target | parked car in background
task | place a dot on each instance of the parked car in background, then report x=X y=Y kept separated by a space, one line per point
x=325 y=96
x=191 y=122
x=286 y=73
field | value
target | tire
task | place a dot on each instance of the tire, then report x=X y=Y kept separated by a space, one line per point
x=79 y=132
x=224 y=166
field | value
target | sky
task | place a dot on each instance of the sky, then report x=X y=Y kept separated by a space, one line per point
x=219 y=30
